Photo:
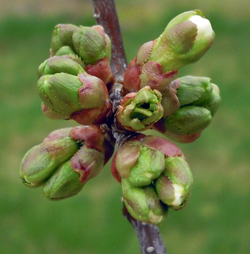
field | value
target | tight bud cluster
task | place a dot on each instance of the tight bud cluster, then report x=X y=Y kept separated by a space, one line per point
x=66 y=160
x=73 y=81
x=76 y=83
x=154 y=175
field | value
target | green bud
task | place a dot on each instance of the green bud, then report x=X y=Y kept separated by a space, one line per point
x=63 y=183
x=69 y=179
x=139 y=111
x=88 y=163
x=185 y=40
x=64 y=95
x=60 y=93
x=62 y=36
x=148 y=167
x=41 y=161
x=142 y=203
x=58 y=64
x=174 y=185
x=138 y=163
x=106 y=39
x=194 y=90
x=67 y=51
x=89 y=44
x=188 y=120
x=212 y=103
x=141 y=159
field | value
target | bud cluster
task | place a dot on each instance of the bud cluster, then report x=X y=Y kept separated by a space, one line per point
x=154 y=175
x=76 y=83
x=73 y=81
x=66 y=160
x=188 y=102
x=196 y=102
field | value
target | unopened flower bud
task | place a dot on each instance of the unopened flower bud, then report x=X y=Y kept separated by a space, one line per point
x=139 y=111
x=185 y=40
x=62 y=36
x=138 y=163
x=141 y=159
x=40 y=162
x=193 y=90
x=188 y=120
x=60 y=93
x=189 y=104
x=69 y=53
x=178 y=137
x=91 y=44
x=65 y=50
x=174 y=185
x=188 y=90
x=70 y=177
x=58 y=64
x=142 y=203
x=90 y=47
x=108 y=46
x=67 y=96
x=95 y=151
x=212 y=103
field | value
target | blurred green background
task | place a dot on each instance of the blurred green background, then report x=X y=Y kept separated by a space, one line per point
x=216 y=219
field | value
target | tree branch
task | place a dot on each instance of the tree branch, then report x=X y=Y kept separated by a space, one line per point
x=105 y=14
x=148 y=235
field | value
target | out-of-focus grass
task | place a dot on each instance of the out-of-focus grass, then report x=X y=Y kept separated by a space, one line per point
x=217 y=218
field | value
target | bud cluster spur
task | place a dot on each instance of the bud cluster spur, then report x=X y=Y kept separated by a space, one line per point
x=76 y=83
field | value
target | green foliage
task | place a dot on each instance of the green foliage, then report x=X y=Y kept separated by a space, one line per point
x=217 y=217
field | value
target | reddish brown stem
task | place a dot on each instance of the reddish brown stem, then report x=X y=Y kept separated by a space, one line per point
x=105 y=14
